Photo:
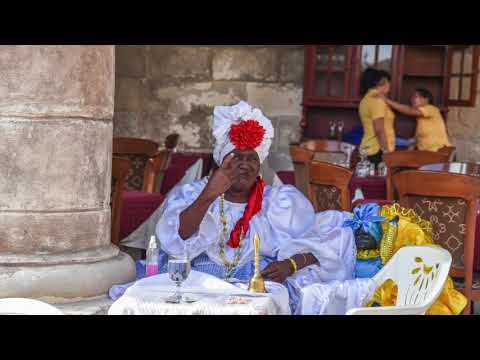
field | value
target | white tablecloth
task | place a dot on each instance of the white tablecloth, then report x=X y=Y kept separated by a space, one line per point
x=147 y=297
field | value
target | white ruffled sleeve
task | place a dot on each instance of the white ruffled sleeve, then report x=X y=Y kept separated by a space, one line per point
x=299 y=230
x=334 y=246
x=179 y=199
x=290 y=215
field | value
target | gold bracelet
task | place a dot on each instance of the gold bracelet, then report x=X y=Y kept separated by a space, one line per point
x=294 y=264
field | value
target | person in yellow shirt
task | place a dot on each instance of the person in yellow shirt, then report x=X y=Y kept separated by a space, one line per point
x=431 y=133
x=376 y=116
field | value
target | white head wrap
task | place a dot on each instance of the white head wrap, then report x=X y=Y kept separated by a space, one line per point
x=226 y=116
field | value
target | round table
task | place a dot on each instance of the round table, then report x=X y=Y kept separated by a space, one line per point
x=470 y=169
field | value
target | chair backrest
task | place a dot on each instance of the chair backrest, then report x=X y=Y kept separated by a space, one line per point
x=21 y=306
x=120 y=170
x=155 y=170
x=138 y=151
x=449 y=151
x=407 y=160
x=123 y=145
x=330 y=150
x=420 y=273
x=301 y=159
x=449 y=202
x=329 y=186
x=171 y=141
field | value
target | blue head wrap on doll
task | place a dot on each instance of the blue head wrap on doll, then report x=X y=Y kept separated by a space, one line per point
x=366 y=218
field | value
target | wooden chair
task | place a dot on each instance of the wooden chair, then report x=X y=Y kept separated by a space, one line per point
x=148 y=163
x=448 y=150
x=301 y=159
x=120 y=170
x=449 y=202
x=408 y=160
x=330 y=150
x=329 y=186
x=171 y=141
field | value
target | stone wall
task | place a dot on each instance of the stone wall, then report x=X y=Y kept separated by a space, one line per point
x=164 y=89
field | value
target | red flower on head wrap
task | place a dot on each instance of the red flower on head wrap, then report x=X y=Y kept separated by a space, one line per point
x=247 y=135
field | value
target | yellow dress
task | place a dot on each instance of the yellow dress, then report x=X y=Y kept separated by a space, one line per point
x=372 y=108
x=414 y=231
x=431 y=133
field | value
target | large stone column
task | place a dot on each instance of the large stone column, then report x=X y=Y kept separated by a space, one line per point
x=56 y=109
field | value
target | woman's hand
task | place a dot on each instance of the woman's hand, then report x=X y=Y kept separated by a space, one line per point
x=278 y=271
x=218 y=184
x=223 y=177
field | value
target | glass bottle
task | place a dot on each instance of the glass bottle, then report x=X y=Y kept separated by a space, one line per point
x=152 y=257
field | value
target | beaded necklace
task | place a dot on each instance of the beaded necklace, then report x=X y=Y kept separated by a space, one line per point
x=229 y=266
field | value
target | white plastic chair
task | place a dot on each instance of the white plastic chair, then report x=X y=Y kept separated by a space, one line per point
x=420 y=273
x=21 y=306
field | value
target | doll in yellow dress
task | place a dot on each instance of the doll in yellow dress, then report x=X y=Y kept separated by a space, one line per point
x=412 y=231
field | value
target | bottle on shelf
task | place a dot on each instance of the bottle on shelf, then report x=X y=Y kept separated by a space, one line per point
x=340 y=126
x=333 y=131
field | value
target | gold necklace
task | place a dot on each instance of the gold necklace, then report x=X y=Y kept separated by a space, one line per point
x=223 y=219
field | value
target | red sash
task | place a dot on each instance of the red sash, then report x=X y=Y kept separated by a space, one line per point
x=254 y=206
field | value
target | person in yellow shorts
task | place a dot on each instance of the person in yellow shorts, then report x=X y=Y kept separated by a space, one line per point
x=376 y=116
x=431 y=133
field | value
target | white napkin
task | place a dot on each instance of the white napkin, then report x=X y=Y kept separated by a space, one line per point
x=358 y=195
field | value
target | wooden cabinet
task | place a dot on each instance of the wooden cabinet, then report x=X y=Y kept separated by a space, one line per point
x=333 y=72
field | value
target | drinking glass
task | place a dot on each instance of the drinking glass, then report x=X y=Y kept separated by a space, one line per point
x=363 y=166
x=382 y=169
x=178 y=271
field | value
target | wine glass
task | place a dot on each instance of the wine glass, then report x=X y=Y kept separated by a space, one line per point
x=178 y=271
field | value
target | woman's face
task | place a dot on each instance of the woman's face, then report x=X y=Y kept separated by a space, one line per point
x=418 y=100
x=248 y=165
x=384 y=86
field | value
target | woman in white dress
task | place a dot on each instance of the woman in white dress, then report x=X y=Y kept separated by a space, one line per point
x=215 y=219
